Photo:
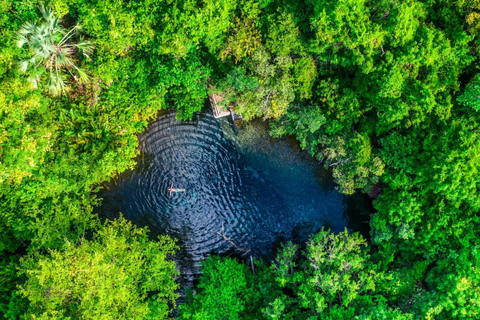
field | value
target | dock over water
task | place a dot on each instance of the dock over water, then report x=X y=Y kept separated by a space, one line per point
x=222 y=110
x=219 y=110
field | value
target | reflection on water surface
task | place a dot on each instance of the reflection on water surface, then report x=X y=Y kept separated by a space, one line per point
x=253 y=189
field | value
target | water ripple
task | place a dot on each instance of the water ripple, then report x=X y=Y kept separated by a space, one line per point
x=253 y=198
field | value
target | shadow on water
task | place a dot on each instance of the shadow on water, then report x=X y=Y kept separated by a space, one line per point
x=248 y=187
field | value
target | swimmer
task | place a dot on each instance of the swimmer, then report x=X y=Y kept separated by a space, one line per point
x=172 y=189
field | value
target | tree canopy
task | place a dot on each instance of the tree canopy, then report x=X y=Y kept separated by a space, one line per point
x=112 y=276
x=384 y=94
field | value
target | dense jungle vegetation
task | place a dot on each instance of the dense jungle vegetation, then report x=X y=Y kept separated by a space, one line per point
x=385 y=93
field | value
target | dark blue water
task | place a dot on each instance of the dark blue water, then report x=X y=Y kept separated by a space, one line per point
x=244 y=193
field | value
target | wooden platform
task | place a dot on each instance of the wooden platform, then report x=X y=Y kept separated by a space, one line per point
x=218 y=109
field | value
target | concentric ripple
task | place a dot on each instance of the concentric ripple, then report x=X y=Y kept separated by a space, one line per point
x=244 y=201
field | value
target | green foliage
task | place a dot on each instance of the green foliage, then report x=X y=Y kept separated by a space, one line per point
x=284 y=36
x=244 y=42
x=431 y=203
x=471 y=95
x=186 y=82
x=274 y=90
x=223 y=287
x=331 y=279
x=355 y=166
x=52 y=47
x=228 y=290
x=375 y=90
x=8 y=280
x=109 y=277
x=336 y=265
x=454 y=286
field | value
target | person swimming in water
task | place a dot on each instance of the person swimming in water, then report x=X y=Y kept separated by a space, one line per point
x=172 y=189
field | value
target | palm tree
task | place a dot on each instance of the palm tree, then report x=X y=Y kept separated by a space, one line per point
x=52 y=50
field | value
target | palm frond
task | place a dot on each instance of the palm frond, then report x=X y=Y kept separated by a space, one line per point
x=28 y=28
x=84 y=78
x=78 y=27
x=64 y=61
x=56 y=84
x=47 y=14
x=21 y=40
x=67 y=36
x=85 y=47
x=43 y=11
x=23 y=65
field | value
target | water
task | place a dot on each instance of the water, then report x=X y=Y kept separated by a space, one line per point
x=244 y=193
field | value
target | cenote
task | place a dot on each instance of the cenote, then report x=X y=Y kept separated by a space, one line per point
x=245 y=192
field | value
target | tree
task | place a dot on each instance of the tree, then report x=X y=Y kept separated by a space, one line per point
x=471 y=95
x=119 y=274
x=51 y=47
x=227 y=289
x=453 y=286
x=330 y=280
x=9 y=265
x=245 y=40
